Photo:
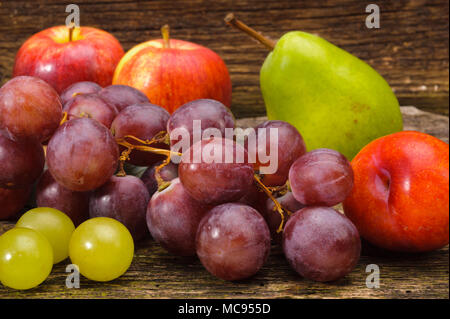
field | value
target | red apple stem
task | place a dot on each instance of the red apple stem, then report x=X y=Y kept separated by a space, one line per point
x=231 y=20
x=277 y=206
x=165 y=31
x=71 y=28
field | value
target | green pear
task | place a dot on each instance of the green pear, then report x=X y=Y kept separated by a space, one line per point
x=333 y=98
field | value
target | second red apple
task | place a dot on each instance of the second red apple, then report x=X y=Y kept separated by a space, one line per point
x=173 y=72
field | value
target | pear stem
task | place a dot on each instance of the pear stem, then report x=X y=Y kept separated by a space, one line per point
x=165 y=31
x=231 y=20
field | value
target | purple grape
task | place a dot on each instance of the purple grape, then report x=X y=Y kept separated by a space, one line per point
x=51 y=194
x=22 y=161
x=272 y=216
x=233 y=241
x=143 y=121
x=167 y=173
x=124 y=199
x=12 y=201
x=173 y=217
x=122 y=96
x=212 y=180
x=290 y=147
x=211 y=113
x=322 y=177
x=82 y=155
x=255 y=198
x=29 y=108
x=84 y=87
x=321 y=244
x=92 y=106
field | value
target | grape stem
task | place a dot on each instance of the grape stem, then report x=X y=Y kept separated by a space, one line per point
x=277 y=205
x=161 y=137
x=64 y=118
x=231 y=20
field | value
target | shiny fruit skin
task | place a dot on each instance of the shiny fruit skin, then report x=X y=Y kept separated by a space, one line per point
x=124 y=199
x=56 y=226
x=92 y=55
x=233 y=241
x=290 y=147
x=82 y=155
x=173 y=217
x=400 y=200
x=22 y=161
x=334 y=99
x=26 y=258
x=92 y=106
x=122 y=96
x=322 y=177
x=211 y=113
x=321 y=244
x=83 y=87
x=29 y=108
x=215 y=182
x=102 y=248
x=143 y=121
x=173 y=76
x=13 y=200
x=51 y=194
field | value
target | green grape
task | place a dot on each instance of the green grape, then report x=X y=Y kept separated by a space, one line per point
x=56 y=226
x=26 y=258
x=102 y=248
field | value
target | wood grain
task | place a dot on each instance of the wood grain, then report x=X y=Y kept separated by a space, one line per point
x=410 y=49
x=156 y=274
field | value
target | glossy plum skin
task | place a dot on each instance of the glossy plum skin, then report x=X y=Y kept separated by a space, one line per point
x=51 y=194
x=272 y=216
x=322 y=177
x=321 y=244
x=233 y=241
x=22 y=161
x=211 y=113
x=167 y=173
x=83 y=87
x=92 y=55
x=91 y=106
x=122 y=96
x=173 y=217
x=29 y=108
x=290 y=147
x=215 y=182
x=400 y=200
x=82 y=155
x=125 y=199
x=12 y=201
x=143 y=121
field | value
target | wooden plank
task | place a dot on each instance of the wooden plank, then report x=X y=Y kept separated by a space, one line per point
x=410 y=49
x=156 y=274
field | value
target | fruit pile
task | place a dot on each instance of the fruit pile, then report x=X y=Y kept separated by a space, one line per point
x=108 y=168
x=221 y=210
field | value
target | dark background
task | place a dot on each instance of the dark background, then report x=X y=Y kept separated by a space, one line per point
x=410 y=49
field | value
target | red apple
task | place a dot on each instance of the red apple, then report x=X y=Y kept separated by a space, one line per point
x=400 y=198
x=61 y=57
x=174 y=72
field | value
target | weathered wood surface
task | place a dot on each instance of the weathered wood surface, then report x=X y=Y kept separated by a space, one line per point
x=410 y=49
x=156 y=274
